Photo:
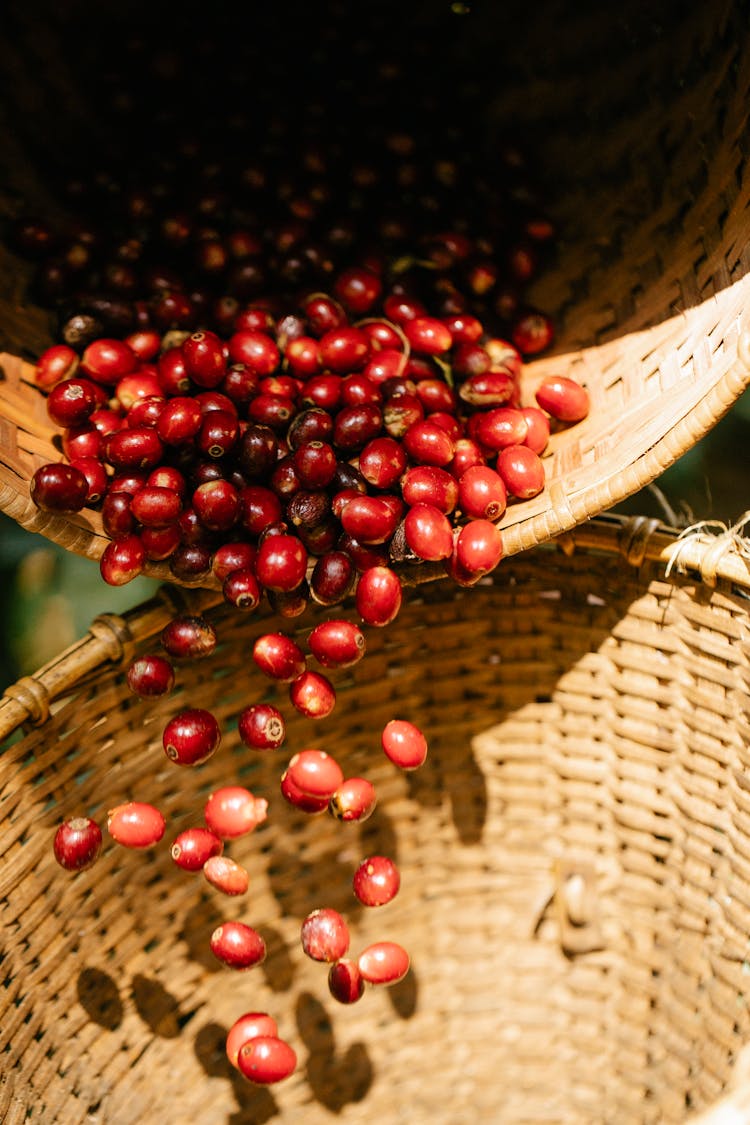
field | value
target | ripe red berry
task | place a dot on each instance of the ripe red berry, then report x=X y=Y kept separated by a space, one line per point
x=404 y=744
x=313 y=695
x=242 y=590
x=479 y=547
x=378 y=596
x=427 y=484
x=354 y=800
x=532 y=332
x=191 y=737
x=376 y=881
x=59 y=488
x=332 y=578
x=150 y=676
x=522 y=471
x=193 y=847
x=122 y=560
x=107 y=360
x=299 y=800
x=228 y=876
x=203 y=355
x=499 y=428
x=325 y=935
x=233 y=811
x=262 y=727
x=481 y=493
x=429 y=444
x=188 y=637
x=248 y=1026
x=537 y=434
x=237 y=945
x=77 y=843
x=383 y=962
x=136 y=824
x=345 y=982
x=279 y=657
x=428 y=532
x=55 y=364
x=72 y=402
x=266 y=1059
x=281 y=563
x=315 y=774
x=563 y=398
x=337 y=643
x=427 y=335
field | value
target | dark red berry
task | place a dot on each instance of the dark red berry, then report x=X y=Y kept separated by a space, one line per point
x=59 y=488
x=345 y=982
x=532 y=332
x=96 y=476
x=55 y=364
x=266 y=1059
x=72 y=402
x=238 y=946
x=378 y=596
x=156 y=507
x=281 y=563
x=188 y=637
x=150 y=676
x=337 y=643
x=122 y=560
x=191 y=737
x=315 y=773
x=233 y=556
x=194 y=846
x=107 y=360
x=376 y=881
x=77 y=843
x=354 y=800
x=332 y=578
x=262 y=727
x=203 y=355
x=136 y=824
x=179 y=421
x=428 y=533
x=313 y=695
x=427 y=484
x=279 y=657
x=325 y=935
x=242 y=590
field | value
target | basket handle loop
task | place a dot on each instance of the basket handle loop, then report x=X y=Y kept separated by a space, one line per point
x=33 y=696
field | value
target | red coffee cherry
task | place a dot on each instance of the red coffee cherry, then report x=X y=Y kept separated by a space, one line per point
x=237 y=945
x=150 y=677
x=194 y=846
x=107 y=360
x=248 y=1026
x=72 y=402
x=313 y=695
x=428 y=533
x=537 y=434
x=345 y=982
x=281 y=562
x=378 y=596
x=354 y=800
x=315 y=774
x=299 y=800
x=428 y=336
x=479 y=547
x=242 y=590
x=77 y=843
x=429 y=444
x=499 y=428
x=136 y=824
x=563 y=398
x=203 y=355
x=55 y=364
x=262 y=727
x=522 y=471
x=383 y=962
x=59 y=488
x=155 y=507
x=325 y=935
x=404 y=744
x=337 y=644
x=279 y=657
x=266 y=1059
x=481 y=493
x=187 y=637
x=426 y=484
x=122 y=560
x=332 y=578
x=191 y=737
x=376 y=880
x=233 y=811
x=228 y=876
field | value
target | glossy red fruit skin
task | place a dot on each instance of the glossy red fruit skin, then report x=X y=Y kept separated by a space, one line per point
x=237 y=945
x=337 y=643
x=233 y=811
x=376 y=881
x=383 y=962
x=427 y=335
x=428 y=532
x=179 y=421
x=217 y=505
x=499 y=428
x=344 y=349
x=59 y=488
x=107 y=360
x=262 y=727
x=427 y=484
x=325 y=935
x=233 y=556
x=563 y=398
x=281 y=563
x=266 y=1059
x=479 y=547
x=404 y=744
x=203 y=355
x=226 y=875
x=532 y=332
x=255 y=349
x=156 y=507
x=299 y=800
x=150 y=676
x=313 y=695
x=345 y=982
x=429 y=444
x=72 y=402
x=315 y=774
x=122 y=560
x=136 y=824
x=481 y=493
x=537 y=434
x=248 y=1026
x=160 y=542
x=279 y=657
x=368 y=519
x=188 y=637
x=77 y=843
x=358 y=289
x=522 y=471
x=354 y=800
x=194 y=846
x=55 y=364
x=242 y=589
x=378 y=596
x=332 y=578
x=191 y=737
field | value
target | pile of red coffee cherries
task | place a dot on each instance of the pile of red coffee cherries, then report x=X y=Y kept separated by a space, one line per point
x=312 y=782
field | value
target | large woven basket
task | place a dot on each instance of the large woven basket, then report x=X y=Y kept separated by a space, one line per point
x=638 y=122
x=574 y=856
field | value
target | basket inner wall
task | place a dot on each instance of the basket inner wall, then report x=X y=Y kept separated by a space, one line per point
x=582 y=719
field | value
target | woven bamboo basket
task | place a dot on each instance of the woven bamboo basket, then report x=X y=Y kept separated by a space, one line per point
x=574 y=858
x=638 y=120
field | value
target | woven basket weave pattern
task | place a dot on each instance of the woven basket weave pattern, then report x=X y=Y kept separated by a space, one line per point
x=573 y=858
